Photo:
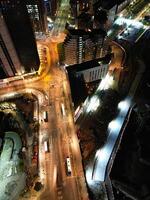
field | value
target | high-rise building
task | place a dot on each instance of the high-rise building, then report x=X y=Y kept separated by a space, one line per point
x=79 y=6
x=51 y=7
x=9 y=61
x=81 y=10
x=37 y=13
x=84 y=21
x=81 y=46
x=73 y=4
x=16 y=23
x=93 y=70
x=84 y=74
x=112 y=6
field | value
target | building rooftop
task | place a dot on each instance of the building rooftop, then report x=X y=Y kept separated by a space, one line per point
x=89 y=64
x=81 y=32
x=108 y=4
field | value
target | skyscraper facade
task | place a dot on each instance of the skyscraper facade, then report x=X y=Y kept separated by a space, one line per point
x=37 y=13
x=51 y=7
x=81 y=46
x=77 y=7
x=15 y=19
x=92 y=70
x=9 y=61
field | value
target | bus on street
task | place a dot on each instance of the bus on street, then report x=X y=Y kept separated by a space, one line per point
x=45 y=116
x=68 y=166
x=46 y=146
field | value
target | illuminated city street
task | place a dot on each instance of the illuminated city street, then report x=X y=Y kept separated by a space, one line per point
x=59 y=130
x=60 y=163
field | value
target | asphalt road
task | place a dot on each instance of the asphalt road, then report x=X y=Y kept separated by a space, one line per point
x=52 y=89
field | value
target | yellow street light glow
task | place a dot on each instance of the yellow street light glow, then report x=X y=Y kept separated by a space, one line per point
x=54 y=176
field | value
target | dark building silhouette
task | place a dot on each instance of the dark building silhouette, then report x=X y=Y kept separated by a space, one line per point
x=77 y=7
x=37 y=13
x=114 y=6
x=51 y=7
x=9 y=61
x=19 y=29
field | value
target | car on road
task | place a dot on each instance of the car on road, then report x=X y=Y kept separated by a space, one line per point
x=46 y=146
x=45 y=116
x=68 y=166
